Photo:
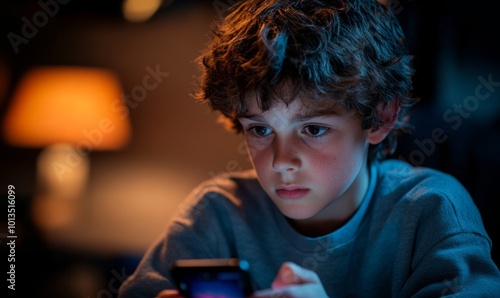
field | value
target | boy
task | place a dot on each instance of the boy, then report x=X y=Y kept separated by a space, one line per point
x=319 y=90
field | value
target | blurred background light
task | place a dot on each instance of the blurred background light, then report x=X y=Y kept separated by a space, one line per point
x=68 y=111
x=140 y=10
x=75 y=105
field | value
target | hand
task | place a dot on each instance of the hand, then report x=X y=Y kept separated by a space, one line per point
x=293 y=281
x=169 y=294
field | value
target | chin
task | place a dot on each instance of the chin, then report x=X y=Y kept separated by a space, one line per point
x=296 y=213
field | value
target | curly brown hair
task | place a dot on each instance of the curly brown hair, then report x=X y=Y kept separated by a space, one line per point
x=350 y=52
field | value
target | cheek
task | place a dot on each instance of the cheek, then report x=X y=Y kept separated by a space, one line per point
x=260 y=160
x=255 y=146
x=258 y=154
x=323 y=165
x=335 y=162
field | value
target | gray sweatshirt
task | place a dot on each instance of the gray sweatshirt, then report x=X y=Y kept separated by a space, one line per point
x=417 y=233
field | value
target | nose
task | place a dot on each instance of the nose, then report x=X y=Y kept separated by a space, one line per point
x=286 y=158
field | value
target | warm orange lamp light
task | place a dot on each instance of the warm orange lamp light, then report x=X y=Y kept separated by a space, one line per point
x=79 y=106
x=70 y=112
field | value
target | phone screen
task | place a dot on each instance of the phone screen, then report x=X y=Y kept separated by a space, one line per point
x=225 y=279
x=220 y=287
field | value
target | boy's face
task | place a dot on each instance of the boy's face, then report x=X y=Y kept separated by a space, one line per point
x=312 y=163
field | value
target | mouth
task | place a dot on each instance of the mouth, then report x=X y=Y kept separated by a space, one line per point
x=291 y=192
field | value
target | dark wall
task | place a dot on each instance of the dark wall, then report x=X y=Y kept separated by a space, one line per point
x=457 y=121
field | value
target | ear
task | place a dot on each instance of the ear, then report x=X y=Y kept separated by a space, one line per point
x=388 y=114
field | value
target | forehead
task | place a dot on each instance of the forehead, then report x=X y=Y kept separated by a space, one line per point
x=300 y=106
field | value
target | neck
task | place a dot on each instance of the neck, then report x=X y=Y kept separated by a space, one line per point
x=316 y=228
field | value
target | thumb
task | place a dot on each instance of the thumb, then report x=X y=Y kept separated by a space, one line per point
x=292 y=274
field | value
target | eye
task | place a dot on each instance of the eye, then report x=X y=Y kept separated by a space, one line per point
x=260 y=131
x=315 y=130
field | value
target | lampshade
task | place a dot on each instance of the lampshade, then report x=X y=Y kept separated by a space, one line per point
x=79 y=106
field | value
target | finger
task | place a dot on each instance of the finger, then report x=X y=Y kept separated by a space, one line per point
x=169 y=294
x=279 y=293
x=292 y=274
x=262 y=294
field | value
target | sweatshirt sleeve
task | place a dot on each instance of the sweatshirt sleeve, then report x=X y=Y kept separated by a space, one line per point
x=458 y=265
x=452 y=251
x=196 y=231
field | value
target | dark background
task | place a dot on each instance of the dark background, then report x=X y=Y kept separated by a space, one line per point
x=133 y=191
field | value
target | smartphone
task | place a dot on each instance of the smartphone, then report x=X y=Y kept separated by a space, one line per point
x=212 y=278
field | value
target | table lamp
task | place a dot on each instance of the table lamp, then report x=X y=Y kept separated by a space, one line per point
x=70 y=112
